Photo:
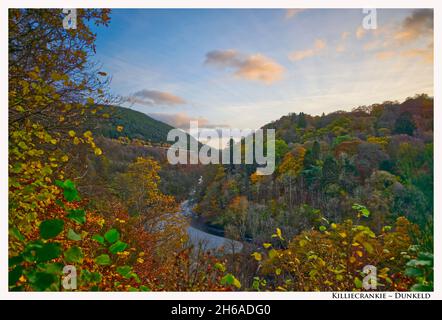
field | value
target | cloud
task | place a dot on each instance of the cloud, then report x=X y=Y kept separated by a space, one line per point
x=345 y=35
x=290 y=13
x=427 y=54
x=319 y=45
x=341 y=46
x=182 y=120
x=401 y=40
x=419 y=23
x=360 y=32
x=155 y=98
x=255 y=67
x=383 y=55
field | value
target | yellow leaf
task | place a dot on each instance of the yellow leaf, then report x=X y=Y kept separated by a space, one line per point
x=97 y=151
x=257 y=256
x=267 y=245
x=236 y=283
x=71 y=133
x=64 y=158
x=279 y=233
x=76 y=140
x=119 y=128
x=87 y=134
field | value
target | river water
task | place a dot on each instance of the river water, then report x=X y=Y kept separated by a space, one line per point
x=199 y=234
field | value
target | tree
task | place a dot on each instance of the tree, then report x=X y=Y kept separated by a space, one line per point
x=316 y=150
x=302 y=122
x=139 y=189
x=404 y=124
x=281 y=149
x=51 y=89
x=330 y=171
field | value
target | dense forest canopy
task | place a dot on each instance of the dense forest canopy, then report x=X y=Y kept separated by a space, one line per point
x=92 y=189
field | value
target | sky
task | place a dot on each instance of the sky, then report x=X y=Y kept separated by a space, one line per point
x=241 y=68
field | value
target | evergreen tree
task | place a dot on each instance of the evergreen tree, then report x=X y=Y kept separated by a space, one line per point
x=404 y=124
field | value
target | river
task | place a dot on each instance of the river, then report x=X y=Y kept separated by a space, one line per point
x=208 y=238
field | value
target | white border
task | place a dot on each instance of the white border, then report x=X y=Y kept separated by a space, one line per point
x=5 y=4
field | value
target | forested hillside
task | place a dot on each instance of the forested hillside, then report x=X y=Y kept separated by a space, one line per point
x=341 y=179
x=137 y=125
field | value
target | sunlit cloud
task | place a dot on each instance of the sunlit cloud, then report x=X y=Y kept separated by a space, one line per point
x=402 y=40
x=383 y=55
x=419 y=23
x=290 y=13
x=345 y=35
x=255 y=67
x=426 y=54
x=318 y=46
x=182 y=120
x=341 y=47
x=155 y=98
x=360 y=32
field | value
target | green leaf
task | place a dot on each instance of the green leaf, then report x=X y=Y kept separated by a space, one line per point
x=42 y=281
x=48 y=251
x=118 y=247
x=98 y=238
x=419 y=263
x=54 y=268
x=51 y=228
x=112 y=235
x=425 y=256
x=413 y=272
x=90 y=277
x=15 y=260
x=421 y=287
x=229 y=279
x=322 y=228
x=103 y=260
x=72 y=235
x=69 y=190
x=125 y=271
x=78 y=215
x=73 y=255
x=16 y=233
x=365 y=212
x=358 y=283
x=14 y=275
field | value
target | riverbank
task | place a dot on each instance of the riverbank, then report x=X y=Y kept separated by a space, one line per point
x=201 y=235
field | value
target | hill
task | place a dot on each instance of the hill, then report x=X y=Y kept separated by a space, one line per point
x=137 y=125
